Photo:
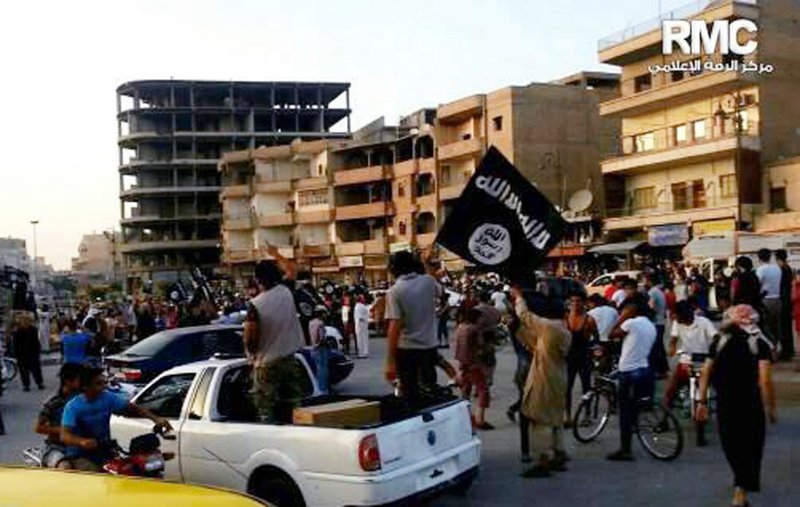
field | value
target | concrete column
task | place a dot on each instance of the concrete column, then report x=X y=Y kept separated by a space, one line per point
x=172 y=95
x=347 y=98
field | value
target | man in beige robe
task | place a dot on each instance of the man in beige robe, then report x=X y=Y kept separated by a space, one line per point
x=543 y=401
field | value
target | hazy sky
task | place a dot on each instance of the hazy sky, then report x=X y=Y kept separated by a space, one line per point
x=62 y=61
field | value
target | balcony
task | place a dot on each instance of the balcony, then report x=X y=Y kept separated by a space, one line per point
x=375 y=247
x=458 y=111
x=451 y=192
x=461 y=149
x=237 y=223
x=406 y=168
x=238 y=256
x=310 y=183
x=717 y=147
x=276 y=220
x=644 y=39
x=428 y=202
x=686 y=90
x=362 y=175
x=147 y=246
x=665 y=214
x=233 y=191
x=357 y=211
x=315 y=251
x=147 y=219
x=427 y=165
x=314 y=217
x=350 y=248
x=274 y=187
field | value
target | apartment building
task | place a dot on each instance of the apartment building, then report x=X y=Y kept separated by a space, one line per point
x=337 y=207
x=99 y=260
x=551 y=132
x=171 y=136
x=694 y=144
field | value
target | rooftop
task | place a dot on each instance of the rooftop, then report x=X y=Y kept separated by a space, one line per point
x=684 y=12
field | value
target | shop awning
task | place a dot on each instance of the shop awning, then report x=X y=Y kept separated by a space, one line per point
x=617 y=248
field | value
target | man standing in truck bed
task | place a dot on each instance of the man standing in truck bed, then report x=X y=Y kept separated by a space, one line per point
x=411 y=313
x=272 y=335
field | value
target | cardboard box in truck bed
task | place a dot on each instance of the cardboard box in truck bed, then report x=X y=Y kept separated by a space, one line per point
x=344 y=413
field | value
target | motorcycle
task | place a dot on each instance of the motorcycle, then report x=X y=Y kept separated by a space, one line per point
x=142 y=459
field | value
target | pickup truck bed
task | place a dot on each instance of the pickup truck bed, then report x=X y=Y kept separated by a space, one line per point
x=410 y=452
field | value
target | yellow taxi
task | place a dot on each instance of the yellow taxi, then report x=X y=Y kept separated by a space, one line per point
x=26 y=487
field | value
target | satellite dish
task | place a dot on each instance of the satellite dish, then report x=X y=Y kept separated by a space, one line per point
x=580 y=201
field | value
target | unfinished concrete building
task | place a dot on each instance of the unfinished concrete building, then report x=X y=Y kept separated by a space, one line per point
x=171 y=137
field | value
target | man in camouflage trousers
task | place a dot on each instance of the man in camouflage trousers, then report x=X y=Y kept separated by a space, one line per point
x=272 y=335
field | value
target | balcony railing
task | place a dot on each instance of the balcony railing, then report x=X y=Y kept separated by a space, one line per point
x=666 y=138
x=684 y=12
x=671 y=207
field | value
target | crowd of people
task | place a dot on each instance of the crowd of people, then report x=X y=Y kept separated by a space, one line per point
x=642 y=323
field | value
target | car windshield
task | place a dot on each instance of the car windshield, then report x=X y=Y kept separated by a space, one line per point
x=151 y=345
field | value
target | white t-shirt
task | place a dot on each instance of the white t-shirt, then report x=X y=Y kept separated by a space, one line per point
x=605 y=317
x=637 y=344
x=500 y=301
x=695 y=338
x=770 y=277
x=618 y=297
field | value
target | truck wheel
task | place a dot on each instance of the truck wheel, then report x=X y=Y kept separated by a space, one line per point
x=276 y=488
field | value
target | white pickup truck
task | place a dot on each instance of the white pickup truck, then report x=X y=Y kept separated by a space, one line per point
x=220 y=443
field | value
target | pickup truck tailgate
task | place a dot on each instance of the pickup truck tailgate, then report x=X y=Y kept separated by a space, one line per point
x=434 y=432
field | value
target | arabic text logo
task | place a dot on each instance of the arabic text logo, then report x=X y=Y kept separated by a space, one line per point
x=490 y=244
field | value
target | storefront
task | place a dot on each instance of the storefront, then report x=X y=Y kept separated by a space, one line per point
x=667 y=241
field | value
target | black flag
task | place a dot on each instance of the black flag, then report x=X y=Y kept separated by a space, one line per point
x=501 y=222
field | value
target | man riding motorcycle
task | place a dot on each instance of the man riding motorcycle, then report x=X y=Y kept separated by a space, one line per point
x=85 y=424
x=49 y=421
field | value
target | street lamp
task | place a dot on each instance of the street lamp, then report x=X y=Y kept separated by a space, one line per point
x=34 y=223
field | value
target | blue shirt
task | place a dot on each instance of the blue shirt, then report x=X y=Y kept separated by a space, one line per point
x=74 y=347
x=91 y=419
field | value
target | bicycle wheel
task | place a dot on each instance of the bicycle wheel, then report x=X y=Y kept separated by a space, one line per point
x=592 y=416
x=659 y=432
x=9 y=369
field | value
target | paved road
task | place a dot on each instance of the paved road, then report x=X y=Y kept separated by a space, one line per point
x=700 y=477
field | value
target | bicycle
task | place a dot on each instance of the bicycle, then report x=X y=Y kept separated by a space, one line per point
x=8 y=369
x=656 y=428
x=688 y=395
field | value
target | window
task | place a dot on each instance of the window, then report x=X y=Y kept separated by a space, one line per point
x=777 y=199
x=698 y=194
x=677 y=75
x=727 y=185
x=497 y=121
x=680 y=134
x=644 y=142
x=313 y=197
x=401 y=190
x=699 y=129
x=200 y=395
x=642 y=83
x=235 y=402
x=680 y=197
x=205 y=345
x=166 y=397
x=688 y=195
x=466 y=137
x=644 y=198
